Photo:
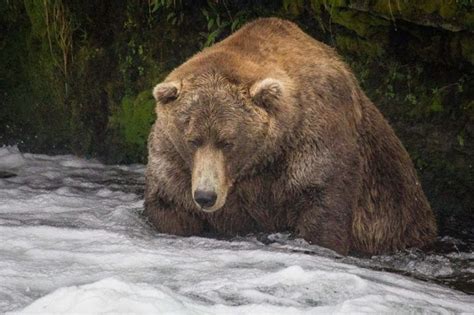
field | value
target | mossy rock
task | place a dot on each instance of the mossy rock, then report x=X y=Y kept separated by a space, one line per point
x=452 y=15
x=359 y=46
x=133 y=121
x=378 y=26
x=447 y=14
x=467 y=47
x=365 y=25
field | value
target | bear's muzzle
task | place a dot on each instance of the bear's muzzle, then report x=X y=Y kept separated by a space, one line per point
x=209 y=182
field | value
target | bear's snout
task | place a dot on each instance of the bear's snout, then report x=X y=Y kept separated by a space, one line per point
x=209 y=181
x=206 y=199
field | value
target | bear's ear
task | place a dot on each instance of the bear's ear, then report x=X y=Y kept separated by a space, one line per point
x=266 y=92
x=166 y=92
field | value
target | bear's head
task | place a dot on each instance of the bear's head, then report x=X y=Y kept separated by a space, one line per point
x=223 y=129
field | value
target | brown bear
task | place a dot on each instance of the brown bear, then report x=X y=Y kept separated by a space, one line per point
x=269 y=131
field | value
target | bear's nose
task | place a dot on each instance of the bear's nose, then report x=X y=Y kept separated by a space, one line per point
x=205 y=199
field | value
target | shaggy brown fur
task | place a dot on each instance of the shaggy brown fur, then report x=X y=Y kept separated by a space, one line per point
x=275 y=125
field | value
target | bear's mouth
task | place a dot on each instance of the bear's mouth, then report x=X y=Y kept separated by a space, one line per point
x=209 y=210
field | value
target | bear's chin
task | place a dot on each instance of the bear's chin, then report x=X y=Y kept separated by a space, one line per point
x=211 y=210
x=216 y=207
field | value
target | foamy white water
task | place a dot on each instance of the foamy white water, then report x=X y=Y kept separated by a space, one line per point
x=72 y=241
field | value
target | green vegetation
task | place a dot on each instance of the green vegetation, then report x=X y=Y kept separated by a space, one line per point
x=133 y=120
x=76 y=75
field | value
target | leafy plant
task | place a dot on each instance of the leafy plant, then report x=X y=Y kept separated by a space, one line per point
x=219 y=20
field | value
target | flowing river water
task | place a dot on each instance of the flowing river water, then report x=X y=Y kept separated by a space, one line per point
x=72 y=239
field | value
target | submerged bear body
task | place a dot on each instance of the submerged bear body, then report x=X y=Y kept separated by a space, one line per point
x=269 y=131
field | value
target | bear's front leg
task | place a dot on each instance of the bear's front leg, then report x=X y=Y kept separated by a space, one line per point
x=172 y=220
x=326 y=221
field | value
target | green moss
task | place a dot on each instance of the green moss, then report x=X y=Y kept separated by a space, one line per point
x=334 y=3
x=133 y=121
x=294 y=7
x=468 y=109
x=428 y=6
x=358 y=46
x=447 y=14
x=469 y=21
x=467 y=47
x=35 y=11
x=365 y=25
x=448 y=9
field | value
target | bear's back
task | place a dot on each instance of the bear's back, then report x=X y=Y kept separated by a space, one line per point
x=262 y=48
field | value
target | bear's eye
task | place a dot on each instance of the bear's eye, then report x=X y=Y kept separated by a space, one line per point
x=224 y=145
x=195 y=143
